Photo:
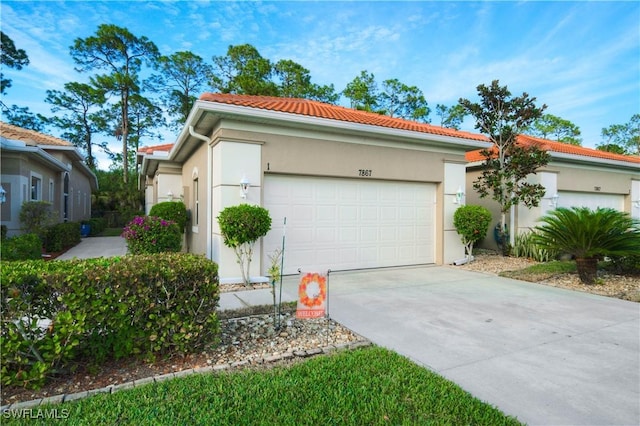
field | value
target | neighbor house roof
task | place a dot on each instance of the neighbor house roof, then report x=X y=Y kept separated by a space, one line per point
x=30 y=137
x=322 y=110
x=149 y=150
x=560 y=148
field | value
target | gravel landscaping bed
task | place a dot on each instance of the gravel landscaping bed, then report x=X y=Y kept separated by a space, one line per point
x=246 y=342
x=621 y=287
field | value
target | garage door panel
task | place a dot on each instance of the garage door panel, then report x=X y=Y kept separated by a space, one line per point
x=591 y=200
x=343 y=224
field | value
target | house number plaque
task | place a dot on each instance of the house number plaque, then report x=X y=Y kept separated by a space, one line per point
x=365 y=172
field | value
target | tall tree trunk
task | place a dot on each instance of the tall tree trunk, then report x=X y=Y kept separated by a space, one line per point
x=125 y=136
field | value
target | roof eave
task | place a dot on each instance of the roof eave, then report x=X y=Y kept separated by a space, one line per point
x=574 y=158
x=201 y=107
x=41 y=155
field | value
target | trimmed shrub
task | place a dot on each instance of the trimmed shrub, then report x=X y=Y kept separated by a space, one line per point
x=22 y=247
x=175 y=211
x=151 y=234
x=3 y=232
x=471 y=223
x=97 y=224
x=163 y=304
x=241 y=226
x=61 y=236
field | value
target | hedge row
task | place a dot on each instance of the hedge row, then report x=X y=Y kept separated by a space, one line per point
x=103 y=308
x=61 y=236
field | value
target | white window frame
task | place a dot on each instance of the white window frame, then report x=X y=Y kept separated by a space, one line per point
x=36 y=192
x=51 y=191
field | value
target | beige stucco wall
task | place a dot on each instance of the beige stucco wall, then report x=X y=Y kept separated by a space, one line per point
x=198 y=230
x=314 y=153
x=557 y=176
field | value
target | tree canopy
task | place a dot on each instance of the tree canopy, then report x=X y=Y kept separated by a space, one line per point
x=551 y=127
x=502 y=118
x=10 y=57
x=622 y=137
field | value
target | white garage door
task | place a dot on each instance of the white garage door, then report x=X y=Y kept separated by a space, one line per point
x=342 y=224
x=590 y=199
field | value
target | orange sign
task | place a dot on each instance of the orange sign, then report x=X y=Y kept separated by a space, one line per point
x=312 y=295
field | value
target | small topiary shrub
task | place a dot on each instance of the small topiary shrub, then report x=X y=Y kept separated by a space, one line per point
x=175 y=211
x=471 y=223
x=241 y=226
x=22 y=247
x=151 y=234
x=57 y=312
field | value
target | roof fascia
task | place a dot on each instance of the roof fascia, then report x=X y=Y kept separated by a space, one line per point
x=40 y=154
x=201 y=107
x=582 y=159
x=79 y=161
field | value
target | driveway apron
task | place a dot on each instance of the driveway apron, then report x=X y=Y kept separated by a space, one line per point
x=544 y=355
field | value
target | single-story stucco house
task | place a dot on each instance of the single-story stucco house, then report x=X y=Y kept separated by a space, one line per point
x=357 y=189
x=575 y=177
x=40 y=167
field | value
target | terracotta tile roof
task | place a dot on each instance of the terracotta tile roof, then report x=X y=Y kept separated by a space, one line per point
x=321 y=110
x=560 y=147
x=29 y=137
x=148 y=150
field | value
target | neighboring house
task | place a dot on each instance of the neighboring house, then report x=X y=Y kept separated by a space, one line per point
x=575 y=177
x=357 y=189
x=39 y=167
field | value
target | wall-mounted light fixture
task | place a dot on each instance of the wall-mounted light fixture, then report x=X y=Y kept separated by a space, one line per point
x=3 y=195
x=459 y=196
x=636 y=204
x=244 y=187
x=553 y=201
x=170 y=195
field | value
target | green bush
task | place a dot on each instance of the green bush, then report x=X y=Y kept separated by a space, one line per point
x=471 y=223
x=3 y=232
x=525 y=246
x=241 y=226
x=35 y=217
x=104 y=308
x=22 y=247
x=61 y=236
x=97 y=224
x=175 y=211
x=151 y=234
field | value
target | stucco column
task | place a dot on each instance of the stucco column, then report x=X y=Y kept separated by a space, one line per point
x=454 y=180
x=231 y=162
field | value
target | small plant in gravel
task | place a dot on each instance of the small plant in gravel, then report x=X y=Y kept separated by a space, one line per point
x=471 y=223
x=588 y=235
x=151 y=234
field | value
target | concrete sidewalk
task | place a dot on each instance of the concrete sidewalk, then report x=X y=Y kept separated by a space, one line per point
x=91 y=247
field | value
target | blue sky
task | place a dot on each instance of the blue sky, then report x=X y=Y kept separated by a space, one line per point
x=582 y=59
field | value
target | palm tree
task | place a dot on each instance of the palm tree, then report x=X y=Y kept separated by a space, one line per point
x=588 y=235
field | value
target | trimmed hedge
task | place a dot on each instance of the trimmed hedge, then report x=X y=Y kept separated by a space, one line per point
x=174 y=211
x=104 y=308
x=22 y=247
x=62 y=236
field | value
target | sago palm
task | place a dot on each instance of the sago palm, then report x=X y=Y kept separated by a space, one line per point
x=588 y=234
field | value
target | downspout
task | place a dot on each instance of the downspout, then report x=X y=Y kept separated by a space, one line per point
x=209 y=182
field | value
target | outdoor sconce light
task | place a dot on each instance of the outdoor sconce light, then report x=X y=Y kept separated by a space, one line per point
x=3 y=195
x=170 y=195
x=554 y=200
x=636 y=203
x=244 y=187
x=459 y=195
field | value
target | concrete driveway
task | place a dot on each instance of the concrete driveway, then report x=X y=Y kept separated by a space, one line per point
x=542 y=354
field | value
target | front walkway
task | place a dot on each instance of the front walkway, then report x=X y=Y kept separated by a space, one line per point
x=91 y=247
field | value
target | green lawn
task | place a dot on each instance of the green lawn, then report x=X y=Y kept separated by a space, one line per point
x=111 y=232
x=370 y=386
x=542 y=271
